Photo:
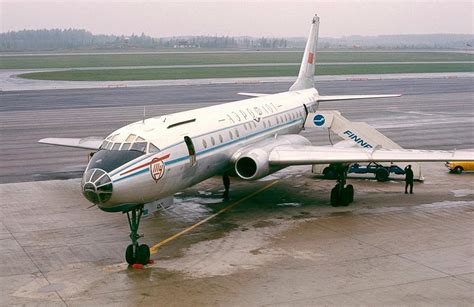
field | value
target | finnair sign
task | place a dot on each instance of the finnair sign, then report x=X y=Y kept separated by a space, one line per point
x=357 y=139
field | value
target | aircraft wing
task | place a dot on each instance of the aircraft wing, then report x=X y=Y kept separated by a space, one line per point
x=84 y=143
x=252 y=94
x=304 y=155
x=353 y=97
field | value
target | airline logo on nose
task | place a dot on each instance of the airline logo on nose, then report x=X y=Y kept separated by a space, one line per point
x=310 y=58
x=157 y=169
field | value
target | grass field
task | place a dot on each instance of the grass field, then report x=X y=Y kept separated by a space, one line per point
x=114 y=60
x=253 y=71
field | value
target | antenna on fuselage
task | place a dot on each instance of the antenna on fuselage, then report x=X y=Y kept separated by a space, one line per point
x=144 y=114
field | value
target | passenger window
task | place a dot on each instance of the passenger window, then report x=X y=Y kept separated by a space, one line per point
x=257 y=109
x=286 y=118
x=204 y=143
x=237 y=116
x=243 y=114
x=254 y=125
x=130 y=138
x=139 y=146
x=250 y=112
x=277 y=120
x=269 y=123
x=231 y=135
x=109 y=145
x=269 y=108
x=245 y=126
x=213 y=141
x=139 y=139
x=221 y=139
x=116 y=146
x=230 y=118
x=264 y=125
x=237 y=133
x=126 y=146
x=153 y=148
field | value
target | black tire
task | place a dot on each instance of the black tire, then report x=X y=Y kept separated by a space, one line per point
x=329 y=173
x=345 y=197
x=335 y=196
x=143 y=254
x=382 y=174
x=458 y=170
x=129 y=256
x=350 y=191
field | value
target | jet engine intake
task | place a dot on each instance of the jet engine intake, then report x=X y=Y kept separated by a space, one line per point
x=252 y=163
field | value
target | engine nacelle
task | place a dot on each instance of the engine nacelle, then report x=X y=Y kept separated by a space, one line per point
x=252 y=163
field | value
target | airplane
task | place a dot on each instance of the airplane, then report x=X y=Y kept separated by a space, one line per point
x=157 y=157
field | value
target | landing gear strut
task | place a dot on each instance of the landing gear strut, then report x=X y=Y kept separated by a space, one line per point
x=341 y=195
x=135 y=252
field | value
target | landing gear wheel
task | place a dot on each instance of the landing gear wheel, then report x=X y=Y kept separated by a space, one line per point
x=143 y=254
x=129 y=255
x=335 y=196
x=345 y=197
x=458 y=170
x=350 y=191
x=341 y=195
x=136 y=253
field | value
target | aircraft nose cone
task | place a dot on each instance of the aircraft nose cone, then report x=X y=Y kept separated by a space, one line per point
x=97 y=186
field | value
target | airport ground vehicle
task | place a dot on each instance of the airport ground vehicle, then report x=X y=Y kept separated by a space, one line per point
x=381 y=172
x=460 y=166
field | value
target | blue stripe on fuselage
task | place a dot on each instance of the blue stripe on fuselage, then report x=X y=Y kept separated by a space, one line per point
x=212 y=148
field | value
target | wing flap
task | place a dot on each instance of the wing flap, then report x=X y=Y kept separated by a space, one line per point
x=354 y=97
x=82 y=143
x=304 y=155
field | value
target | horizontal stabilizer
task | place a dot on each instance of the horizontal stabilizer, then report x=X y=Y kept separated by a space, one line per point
x=252 y=94
x=354 y=97
x=92 y=142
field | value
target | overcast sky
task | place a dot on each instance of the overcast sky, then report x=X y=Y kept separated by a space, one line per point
x=255 y=18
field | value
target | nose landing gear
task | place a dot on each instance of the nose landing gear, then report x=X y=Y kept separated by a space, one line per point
x=136 y=253
x=341 y=195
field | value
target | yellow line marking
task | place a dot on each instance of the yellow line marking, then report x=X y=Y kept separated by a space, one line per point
x=154 y=248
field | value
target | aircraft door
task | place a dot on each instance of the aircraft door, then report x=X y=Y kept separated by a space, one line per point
x=191 y=150
x=306 y=112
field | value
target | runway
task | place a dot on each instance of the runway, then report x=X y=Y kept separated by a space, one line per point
x=283 y=246
x=434 y=113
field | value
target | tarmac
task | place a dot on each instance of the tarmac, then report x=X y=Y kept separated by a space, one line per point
x=284 y=246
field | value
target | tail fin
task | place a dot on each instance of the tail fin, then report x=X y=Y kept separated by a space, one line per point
x=305 y=77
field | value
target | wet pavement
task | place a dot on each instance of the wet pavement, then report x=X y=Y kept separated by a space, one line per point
x=285 y=246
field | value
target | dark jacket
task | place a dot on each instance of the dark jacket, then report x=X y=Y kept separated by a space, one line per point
x=408 y=174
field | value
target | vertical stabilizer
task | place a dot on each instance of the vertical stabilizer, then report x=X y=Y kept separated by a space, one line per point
x=305 y=77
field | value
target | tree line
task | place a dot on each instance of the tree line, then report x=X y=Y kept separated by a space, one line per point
x=60 y=39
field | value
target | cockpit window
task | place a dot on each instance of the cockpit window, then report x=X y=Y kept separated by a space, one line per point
x=104 y=145
x=132 y=142
x=130 y=138
x=125 y=146
x=139 y=146
x=153 y=148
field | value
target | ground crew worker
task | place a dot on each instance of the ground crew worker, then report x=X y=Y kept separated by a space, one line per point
x=226 y=181
x=408 y=179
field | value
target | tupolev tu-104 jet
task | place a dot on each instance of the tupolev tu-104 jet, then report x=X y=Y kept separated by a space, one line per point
x=155 y=158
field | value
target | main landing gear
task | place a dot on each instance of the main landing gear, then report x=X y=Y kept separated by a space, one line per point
x=136 y=253
x=341 y=195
